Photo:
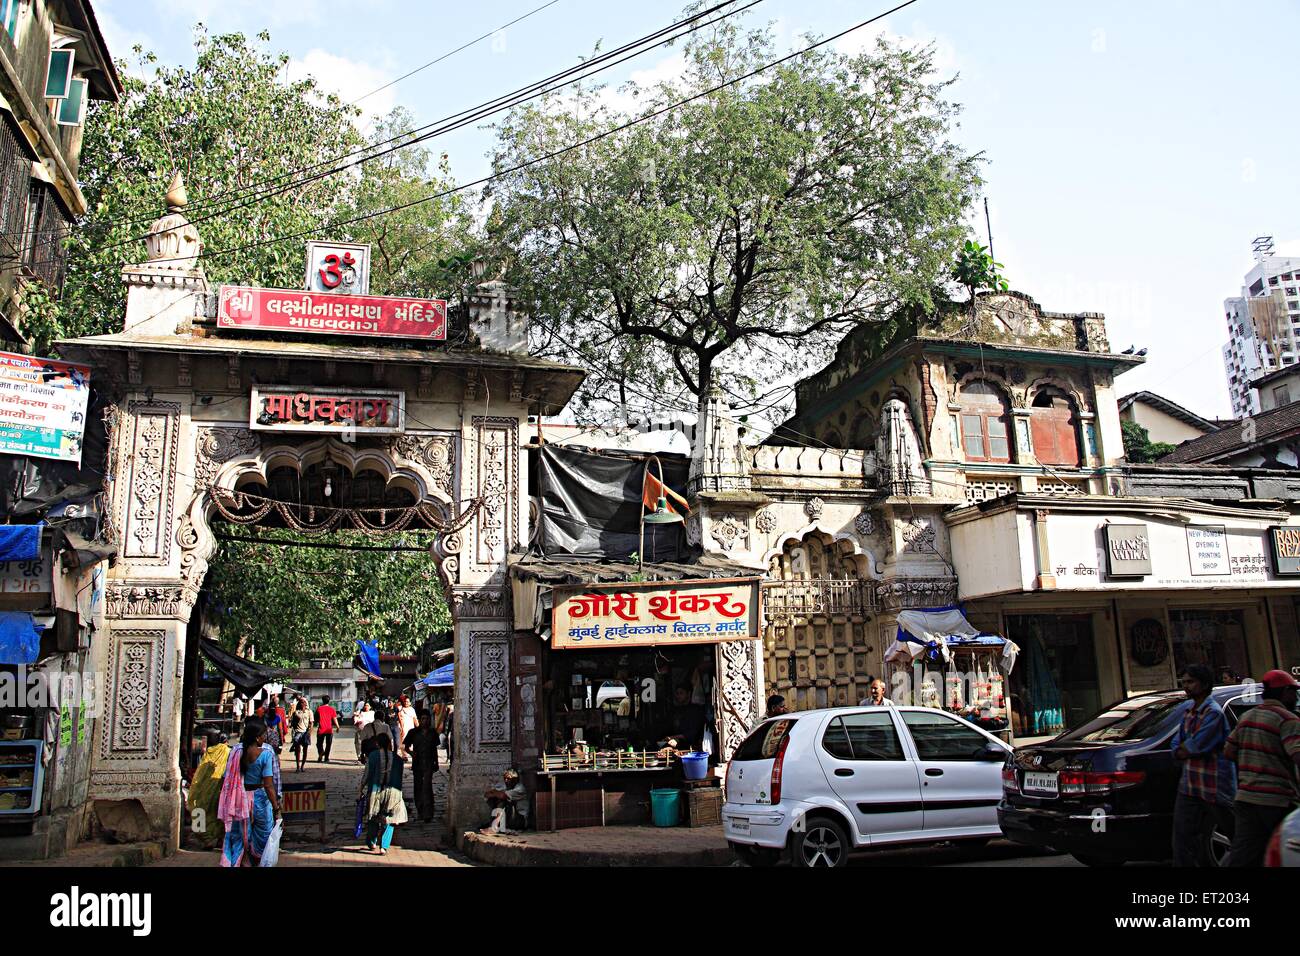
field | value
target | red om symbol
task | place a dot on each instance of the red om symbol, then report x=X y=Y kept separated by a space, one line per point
x=331 y=276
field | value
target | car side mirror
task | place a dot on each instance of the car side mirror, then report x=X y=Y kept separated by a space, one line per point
x=993 y=752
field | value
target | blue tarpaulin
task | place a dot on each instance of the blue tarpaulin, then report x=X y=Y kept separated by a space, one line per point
x=20 y=638
x=369 y=654
x=20 y=542
x=442 y=677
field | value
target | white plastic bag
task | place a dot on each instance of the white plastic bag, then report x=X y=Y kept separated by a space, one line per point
x=271 y=854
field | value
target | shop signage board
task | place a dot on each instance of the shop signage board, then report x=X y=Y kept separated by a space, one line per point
x=303 y=802
x=325 y=313
x=1285 y=544
x=342 y=268
x=26 y=577
x=644 y=614
x=1207 y=548
x=42 y=407
x=338 y=410
x=1128 y=551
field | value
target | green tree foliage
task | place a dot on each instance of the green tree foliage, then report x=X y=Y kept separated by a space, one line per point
x=735 y=238
x=976 y=270
x=1138 y=446
x=287 y=601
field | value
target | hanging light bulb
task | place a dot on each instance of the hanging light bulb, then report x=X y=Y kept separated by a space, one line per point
x=329 y=486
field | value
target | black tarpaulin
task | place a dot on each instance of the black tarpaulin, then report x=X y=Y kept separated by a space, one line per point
x=591 y=505
x=247 y=676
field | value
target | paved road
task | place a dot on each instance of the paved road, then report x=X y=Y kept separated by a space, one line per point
x=997 y=853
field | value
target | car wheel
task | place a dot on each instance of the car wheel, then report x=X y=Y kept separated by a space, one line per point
x=822 y=842
x=1096 y=859
x=756 y=856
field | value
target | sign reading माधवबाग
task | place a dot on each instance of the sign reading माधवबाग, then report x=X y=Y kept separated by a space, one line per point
x=1207 y=549
x=661 y=612
x=1128 y=550
x=42 y=407
x=339 y=410
x=324 y=313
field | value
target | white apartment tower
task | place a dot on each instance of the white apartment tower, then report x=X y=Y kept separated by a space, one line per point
x=1263 y=325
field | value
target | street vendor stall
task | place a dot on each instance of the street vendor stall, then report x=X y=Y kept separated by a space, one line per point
x=940 y=660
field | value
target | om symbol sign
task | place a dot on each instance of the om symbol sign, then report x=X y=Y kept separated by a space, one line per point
x=337 y=271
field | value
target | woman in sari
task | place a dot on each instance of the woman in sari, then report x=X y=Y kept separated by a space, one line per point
x=250 y=798
x=381 y=790
x=205 y=790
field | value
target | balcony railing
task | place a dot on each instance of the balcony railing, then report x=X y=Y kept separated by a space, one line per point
x=819 y=596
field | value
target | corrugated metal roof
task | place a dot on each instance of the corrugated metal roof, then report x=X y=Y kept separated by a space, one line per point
x=552 y=571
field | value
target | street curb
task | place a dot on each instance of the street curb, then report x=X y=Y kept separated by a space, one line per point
x=494 y=852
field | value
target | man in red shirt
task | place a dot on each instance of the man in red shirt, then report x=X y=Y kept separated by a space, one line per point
x=327 y=719
x=1266 y=746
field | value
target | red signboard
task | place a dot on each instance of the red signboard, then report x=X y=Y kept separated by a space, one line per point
x=319 y=313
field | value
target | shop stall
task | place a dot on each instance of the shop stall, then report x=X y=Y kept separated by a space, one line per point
x=940 y=660
x=628 y=699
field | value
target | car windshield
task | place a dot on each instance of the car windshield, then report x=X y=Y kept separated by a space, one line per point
x=1134 y=719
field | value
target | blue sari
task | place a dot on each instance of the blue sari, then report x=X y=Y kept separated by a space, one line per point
x=248 y=814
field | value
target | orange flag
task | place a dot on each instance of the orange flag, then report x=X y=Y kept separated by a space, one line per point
x=653 y=490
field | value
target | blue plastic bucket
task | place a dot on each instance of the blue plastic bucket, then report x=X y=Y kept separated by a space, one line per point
x=695 y=766
x=666 y=807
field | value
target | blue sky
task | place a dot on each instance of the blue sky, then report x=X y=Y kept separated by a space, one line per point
x=1134 y=149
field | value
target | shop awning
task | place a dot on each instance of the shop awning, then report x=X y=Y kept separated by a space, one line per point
x=442 y=677
x=247 y=676
x=933 y=632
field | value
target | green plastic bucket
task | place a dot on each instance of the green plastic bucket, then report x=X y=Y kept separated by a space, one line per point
x=666 y=807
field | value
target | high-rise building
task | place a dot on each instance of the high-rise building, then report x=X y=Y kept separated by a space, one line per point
x=1263 y=325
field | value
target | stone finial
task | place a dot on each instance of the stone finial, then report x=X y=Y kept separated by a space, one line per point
x=898 y=453
x=719 y=461
x=177 y=198
x=173 y=242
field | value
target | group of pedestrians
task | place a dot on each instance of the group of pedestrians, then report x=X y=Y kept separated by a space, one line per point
x=391 y=734
x=1251 y=773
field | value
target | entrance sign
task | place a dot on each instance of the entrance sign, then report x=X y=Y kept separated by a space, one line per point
x=337 y=410
x=304 y=802
x=339 y=267
x=42 y=407
x=1286 y=550
x=324 y=313
x=1207 y=547
x=659 y=612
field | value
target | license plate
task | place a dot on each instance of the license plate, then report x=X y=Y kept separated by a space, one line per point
x=1041 y=783
x=739 y=825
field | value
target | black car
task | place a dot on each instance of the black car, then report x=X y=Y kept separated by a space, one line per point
x=1104 y=791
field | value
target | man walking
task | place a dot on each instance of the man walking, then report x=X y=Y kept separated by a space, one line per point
x=1266 y=746
x=1207 y=778
x=422 y=744
x=327 y=719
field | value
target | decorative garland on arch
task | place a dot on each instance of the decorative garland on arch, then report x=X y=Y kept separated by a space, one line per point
x=241 y=507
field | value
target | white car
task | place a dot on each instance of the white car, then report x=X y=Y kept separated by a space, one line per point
x=1284 y=846
x=819 y=784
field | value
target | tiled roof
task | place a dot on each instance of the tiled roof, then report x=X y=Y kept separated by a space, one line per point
x=1270 y=426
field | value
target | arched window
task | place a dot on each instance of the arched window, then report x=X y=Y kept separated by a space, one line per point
x=1054 y=427
x=985 y=429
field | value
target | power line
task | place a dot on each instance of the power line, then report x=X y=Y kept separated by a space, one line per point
x=654 y=114
x=464 y=46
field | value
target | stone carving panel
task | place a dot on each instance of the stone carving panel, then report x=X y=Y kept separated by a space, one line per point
x=151 y=485
x=497 y=486
x=489 y=689
x=215 y=446
x=765 y=520
x=133 y=720
x=436 y=453
x=730 y=531
x=919 y=537
x=740 y=694
x=916 y=592
x=480 y=603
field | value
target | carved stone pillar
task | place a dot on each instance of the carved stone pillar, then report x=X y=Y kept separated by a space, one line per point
x=740 y=693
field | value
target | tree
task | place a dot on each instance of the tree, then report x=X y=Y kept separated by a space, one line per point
x=229 y=123
x=287 y=601
x=1139 y=448
x=738 y=236
x=976 y=270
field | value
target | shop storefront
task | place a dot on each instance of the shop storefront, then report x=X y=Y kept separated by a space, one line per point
x=629 y=701
x=1112 y=597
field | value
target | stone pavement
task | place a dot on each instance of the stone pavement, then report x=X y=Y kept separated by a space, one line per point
x=603 y=846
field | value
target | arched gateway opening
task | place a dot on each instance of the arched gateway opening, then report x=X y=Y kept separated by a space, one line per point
x=214 y=420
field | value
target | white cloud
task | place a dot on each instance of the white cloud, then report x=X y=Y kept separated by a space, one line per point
x=248 y=15
x=947 y=63
x=120 y=39
x=350 y=79
x=618 y=98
